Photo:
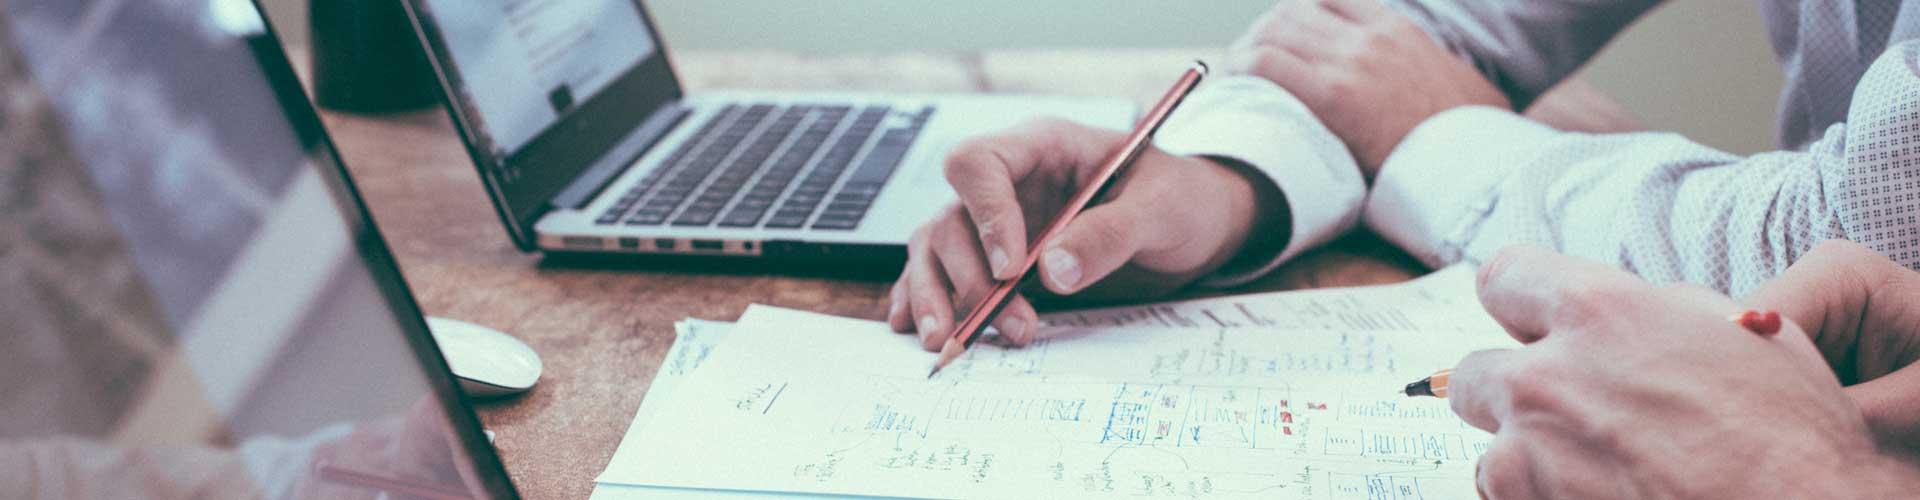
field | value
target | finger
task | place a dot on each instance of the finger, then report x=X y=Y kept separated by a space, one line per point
x=1095 y=244
x=1505 y=472
x=1358 y=11
x=1693 y=296
x=897 y=310
x=1531 y=291
x=1826 y=293
x=984 y=171
x=959 y=255
x=1018 y=322
x=1305 y=29
x=1279 y=65
x=928 y=292
x=1891 y=411
x=1476 y=389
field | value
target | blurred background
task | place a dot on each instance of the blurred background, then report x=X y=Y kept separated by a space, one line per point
x=1683 y=58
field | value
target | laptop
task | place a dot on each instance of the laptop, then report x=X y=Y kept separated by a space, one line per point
x=588 y=143
x=196 y=302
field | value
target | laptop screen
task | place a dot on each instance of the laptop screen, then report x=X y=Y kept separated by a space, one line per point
x=195 y=303
x=545 y=92
x=525 y=64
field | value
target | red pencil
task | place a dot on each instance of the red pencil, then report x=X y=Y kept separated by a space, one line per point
x=968 y=330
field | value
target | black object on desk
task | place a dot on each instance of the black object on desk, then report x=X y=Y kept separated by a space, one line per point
x=366 y=58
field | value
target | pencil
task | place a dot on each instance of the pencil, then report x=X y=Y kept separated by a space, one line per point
x=968 y=330
x=1763 y=323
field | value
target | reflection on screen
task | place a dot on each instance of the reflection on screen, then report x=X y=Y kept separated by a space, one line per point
x=524 y=64
x=187 y=313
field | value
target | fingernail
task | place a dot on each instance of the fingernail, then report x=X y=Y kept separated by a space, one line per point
x=997 y=259
x=928 y=324
x=893 y=308
x=1063 y=269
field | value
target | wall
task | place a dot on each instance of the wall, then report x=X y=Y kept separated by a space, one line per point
x=1700 y=67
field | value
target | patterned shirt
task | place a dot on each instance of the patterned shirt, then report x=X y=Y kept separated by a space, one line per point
x=1472 y=180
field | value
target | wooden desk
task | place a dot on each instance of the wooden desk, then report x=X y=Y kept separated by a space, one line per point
x=604 y=333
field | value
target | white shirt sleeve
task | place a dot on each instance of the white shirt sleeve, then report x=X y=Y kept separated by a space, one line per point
x=1471 y=180
x=1253 y=121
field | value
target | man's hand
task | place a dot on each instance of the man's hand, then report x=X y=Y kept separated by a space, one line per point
x=1863 y=312
x=1625 y=390
x=1169 y=220
x=418 y=447
x=1366 y=71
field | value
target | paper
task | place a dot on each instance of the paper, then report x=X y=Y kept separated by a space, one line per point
x=806 y=403
x=1442 y=302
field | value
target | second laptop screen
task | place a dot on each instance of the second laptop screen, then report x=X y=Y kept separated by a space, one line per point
x=525 y=64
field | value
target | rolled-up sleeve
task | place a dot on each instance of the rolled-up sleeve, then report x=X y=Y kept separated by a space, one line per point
x=1257 y=124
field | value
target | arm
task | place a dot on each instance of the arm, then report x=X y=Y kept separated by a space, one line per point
x=1626 y=390
x=1242 y=179
x=1471 y=180
x=1524 y=47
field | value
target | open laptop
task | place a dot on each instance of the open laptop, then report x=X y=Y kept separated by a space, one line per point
x=587 y=142
x=196 y=302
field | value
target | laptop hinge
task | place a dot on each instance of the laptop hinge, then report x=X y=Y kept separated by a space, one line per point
x=604 y=171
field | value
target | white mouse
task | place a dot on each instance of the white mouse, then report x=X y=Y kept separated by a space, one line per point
x=487 y=362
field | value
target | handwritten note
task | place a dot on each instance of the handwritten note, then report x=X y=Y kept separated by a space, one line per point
x=797 y=402
x=1442 y=302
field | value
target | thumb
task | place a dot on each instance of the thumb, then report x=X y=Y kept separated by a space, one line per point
x=1092 y=246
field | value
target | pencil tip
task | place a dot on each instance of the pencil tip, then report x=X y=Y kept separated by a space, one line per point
x=930 y=374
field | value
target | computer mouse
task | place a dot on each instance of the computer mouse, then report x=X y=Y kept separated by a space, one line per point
x=487 y=362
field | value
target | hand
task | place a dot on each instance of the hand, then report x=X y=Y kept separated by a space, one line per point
x=417 y=447
x=1625 y=390
x=1863 y=312
x=1168 y=221
x=1366 y=71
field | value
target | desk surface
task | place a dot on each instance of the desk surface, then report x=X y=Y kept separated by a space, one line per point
x=603 y=333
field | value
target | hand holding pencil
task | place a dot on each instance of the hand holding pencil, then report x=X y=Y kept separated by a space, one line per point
x=1146 y=236
x=1621 y=379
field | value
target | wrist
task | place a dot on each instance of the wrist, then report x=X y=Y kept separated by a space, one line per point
x=1868 y=474
x=1258 y=220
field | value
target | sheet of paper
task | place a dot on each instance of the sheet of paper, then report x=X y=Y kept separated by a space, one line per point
x=1191 y=412
x=1442 y=303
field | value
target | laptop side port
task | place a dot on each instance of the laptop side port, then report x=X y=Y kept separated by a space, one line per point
x=709 y=245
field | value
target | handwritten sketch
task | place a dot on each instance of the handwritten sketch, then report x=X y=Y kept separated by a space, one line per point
x=1222 y=406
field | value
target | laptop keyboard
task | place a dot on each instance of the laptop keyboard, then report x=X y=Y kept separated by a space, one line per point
x=739 y=169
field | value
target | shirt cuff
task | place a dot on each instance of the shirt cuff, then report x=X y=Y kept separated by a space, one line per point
x=1254 y=122
x=1439 y=184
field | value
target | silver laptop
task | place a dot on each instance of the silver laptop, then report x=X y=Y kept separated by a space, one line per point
x=588 y=143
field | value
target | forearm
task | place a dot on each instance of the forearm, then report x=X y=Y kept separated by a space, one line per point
x=1471 y=181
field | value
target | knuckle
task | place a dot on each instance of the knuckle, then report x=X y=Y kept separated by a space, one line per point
x=963 y=161
x=1534 y=387
x=1503 y=474
x=1264 y=61
x=1108 y=233
x=1378 y=37
x=922 y=236
x=1052 y=123
x=1590 y=303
